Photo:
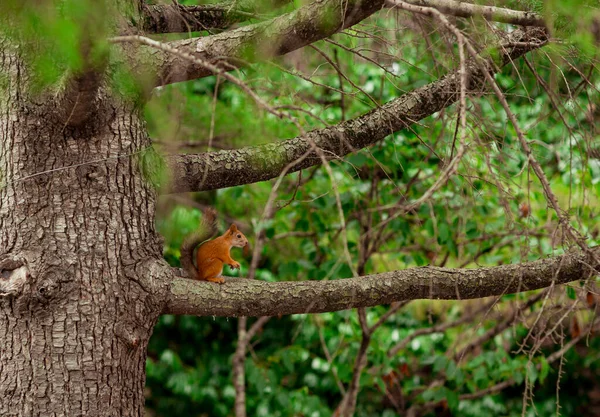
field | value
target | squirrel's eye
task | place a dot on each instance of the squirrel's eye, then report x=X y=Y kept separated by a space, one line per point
x=239 y=236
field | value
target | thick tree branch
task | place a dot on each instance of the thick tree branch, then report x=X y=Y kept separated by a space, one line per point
x=278 y=36
x=78 y=101
x=240 y=297
x=495 y=14
x=172 y=18
x=212 y=170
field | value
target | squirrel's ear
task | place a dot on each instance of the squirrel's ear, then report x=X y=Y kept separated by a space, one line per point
x=233 y=228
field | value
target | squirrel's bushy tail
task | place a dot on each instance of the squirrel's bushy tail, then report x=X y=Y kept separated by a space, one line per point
x=208 y=228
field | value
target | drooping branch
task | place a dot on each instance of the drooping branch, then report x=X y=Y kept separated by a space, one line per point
x=212 y=170
x=494 y=389
x=278 y=36
x=240 y=297
x=491 y=13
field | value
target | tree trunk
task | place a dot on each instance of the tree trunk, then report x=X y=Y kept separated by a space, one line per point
x=77 y=247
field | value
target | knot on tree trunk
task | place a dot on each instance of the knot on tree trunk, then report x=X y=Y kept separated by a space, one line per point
x=14 y=273
x=130 y=333
x=21 y=277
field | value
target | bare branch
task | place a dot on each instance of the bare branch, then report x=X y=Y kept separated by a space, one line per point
x=197 y=61
x=239 y=368
x=208 y=171
x=438 y=328
x=500 y=327
x=348 y=403
x=330 y=361
x=256 y=327
x=240 y=297
x=491 y=13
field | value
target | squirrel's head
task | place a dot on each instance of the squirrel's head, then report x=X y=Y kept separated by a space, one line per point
x=236 y=237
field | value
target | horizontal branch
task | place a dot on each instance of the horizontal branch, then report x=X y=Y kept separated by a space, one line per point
x=260 y=41
x=242 y=297
x=213 y=170
x=491 y=13
x=171 y=18
x=179 y=18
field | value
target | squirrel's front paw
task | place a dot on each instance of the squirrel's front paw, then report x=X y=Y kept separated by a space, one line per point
x=235 y=265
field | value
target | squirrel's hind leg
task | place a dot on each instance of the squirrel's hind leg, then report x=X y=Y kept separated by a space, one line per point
x=218 y=280
x=213 y=272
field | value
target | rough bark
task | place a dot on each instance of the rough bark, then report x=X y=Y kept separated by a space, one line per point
x=240 y=297
x=278 y=36
x=78 y=256
x=171 y=18
x=78 y=103
x=211 y=170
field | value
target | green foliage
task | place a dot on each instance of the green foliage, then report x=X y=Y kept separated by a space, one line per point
x=573 y=20
x=153 y=167
x=57 y=37
x=124 y=84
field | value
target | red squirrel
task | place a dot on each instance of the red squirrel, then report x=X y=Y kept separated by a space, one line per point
x=212 y=254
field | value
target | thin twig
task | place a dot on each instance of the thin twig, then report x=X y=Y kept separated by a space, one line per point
x=203 y=63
